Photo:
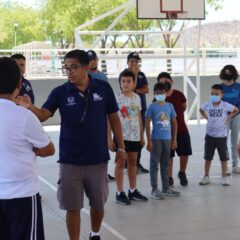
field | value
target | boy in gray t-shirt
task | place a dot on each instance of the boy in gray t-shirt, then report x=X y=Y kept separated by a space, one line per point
x=217 y=112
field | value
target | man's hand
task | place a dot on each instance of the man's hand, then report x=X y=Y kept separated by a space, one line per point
x=136 y=70
x=150 y=146
x=23 y=101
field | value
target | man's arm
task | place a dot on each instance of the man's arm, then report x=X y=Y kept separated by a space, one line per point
x=49 y=150
x=143 y=90
x=233 y=113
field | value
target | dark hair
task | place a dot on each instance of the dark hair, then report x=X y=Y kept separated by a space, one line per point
x=9 y=75
x=127 y=73
x=217 y=87
x=18 y=56
x=160 y=87
x=80 y=55
x=229 y=72
x=164 y=75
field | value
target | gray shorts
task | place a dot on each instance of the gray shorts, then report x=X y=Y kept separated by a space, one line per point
x=74 y=181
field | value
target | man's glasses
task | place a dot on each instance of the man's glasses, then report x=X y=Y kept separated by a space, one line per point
x=72 y=68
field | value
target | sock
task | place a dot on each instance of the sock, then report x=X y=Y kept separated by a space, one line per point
x=118 y=193
x=94 y=234
x=132 y=190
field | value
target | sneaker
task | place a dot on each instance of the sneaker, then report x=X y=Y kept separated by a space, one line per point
x=236 y=169
x=111 y=178
x=122 y=199
x=137 y=196
x=183 y=178
x=225 y=181
x=141 y=169
x=171 y=193
x=156 y=194
x=171 y=182
x=94 y=237
x=205 y=181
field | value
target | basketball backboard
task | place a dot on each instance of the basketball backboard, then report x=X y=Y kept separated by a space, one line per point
x=171 y=9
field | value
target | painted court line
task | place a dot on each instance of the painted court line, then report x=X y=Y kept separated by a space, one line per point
x=84 y=210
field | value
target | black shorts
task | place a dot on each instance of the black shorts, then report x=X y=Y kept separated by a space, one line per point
x=132 y=146
x=212 y=143
x=184 y=147
x=21 y=218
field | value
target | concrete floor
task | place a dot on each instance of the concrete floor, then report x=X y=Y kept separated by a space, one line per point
x=201 y=212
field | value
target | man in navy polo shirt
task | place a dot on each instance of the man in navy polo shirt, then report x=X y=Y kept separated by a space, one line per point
x=141 y=88
x=26 y=87
x=85 y=104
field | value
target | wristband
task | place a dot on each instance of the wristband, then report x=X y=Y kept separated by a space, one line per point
x=121 y=150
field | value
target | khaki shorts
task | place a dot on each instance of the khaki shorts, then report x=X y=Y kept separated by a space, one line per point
x=74 y=181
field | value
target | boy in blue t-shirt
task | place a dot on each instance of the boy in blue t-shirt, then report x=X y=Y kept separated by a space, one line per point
x=217 y=113
x=161 y=141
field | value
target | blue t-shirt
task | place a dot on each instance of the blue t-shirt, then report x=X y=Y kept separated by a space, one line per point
x=83 y=134
x=99 y=75
x=141 y=82
x=232 y=94
x=26 y=89
x=161 y=117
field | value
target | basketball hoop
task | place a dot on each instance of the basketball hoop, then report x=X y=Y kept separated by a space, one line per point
x=172 y=15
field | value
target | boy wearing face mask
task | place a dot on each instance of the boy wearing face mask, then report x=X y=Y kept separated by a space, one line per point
x=161 y=140
x=217 y=113
x=231 y=91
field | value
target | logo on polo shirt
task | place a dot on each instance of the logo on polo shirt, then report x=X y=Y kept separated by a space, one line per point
x=97 y=97
x=71 y=101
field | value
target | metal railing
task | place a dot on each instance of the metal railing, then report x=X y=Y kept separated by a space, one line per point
x=47 y=63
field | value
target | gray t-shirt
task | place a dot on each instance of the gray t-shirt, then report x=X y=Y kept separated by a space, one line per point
x=217 y=115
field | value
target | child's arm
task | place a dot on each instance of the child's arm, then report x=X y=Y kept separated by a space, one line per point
x=203 y=113
x=148 y=133
x=141 y=129
x=174 y=133
x=232 y=114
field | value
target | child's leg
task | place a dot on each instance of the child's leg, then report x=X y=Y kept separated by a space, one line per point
x=119 y=169
x=207 y=167
x=132 y=169
x=224 y=168
x=164 y=160
x=154 y=161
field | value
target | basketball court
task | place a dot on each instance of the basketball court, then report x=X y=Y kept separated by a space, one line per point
x=201 y=212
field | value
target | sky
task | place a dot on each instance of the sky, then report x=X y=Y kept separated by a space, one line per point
x=230 y=11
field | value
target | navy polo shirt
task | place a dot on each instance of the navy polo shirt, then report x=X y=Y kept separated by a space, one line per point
x=83 y=140
x=141 y=82
x=26 y=89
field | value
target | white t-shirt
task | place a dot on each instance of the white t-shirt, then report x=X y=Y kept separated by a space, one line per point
x=20 y=131
x=217 y=115
x=129 y=108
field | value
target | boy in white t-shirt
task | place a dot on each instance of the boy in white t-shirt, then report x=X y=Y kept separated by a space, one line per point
x=130 y=106
x=217 y=113
x=22 y=138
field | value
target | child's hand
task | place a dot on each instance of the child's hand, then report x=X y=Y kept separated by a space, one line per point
x=111 y=145
x=174 y=144
x=142 y=142
x=23 y=101
x=150 y=146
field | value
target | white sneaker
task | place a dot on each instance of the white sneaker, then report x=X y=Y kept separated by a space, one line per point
x=225 y=181
x=236 y=169
x=205 y=181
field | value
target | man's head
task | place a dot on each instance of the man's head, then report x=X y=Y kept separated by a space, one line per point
x=93 y=60
x=160 y=90
x=229 y=73
x=127 y=81
x=133 y=60
x=10 y=77
x=76 y=65
x=165 y=78
x=21 y=62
